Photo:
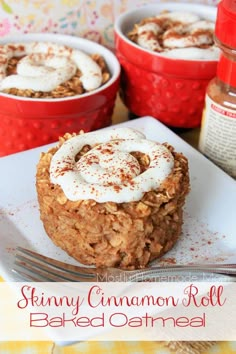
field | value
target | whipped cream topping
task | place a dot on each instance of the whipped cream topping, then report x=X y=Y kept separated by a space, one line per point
x=109 y=172
x=195 y=34
x=168 y=32
x=178 y=16
x=145 y=40
x=191 y=53
x=46 y=65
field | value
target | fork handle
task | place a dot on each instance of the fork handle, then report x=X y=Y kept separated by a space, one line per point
x=184 y=273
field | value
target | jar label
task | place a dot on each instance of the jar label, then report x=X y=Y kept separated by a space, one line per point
x=218 y=135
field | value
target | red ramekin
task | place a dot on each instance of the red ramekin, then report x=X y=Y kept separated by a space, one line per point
x=29 y=122
x=171 y=90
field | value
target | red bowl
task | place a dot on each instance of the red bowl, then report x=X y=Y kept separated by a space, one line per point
x=29 y=122
x=171 y=90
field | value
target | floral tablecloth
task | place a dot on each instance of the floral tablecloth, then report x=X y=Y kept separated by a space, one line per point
x=92 y=19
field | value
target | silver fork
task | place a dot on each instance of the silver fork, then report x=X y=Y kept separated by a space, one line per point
x=36 y=267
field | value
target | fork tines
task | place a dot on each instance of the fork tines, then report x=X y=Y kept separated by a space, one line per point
x=35 y=267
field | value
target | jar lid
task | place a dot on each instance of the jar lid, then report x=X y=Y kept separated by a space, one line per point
x=225 y=30
x=226 y=70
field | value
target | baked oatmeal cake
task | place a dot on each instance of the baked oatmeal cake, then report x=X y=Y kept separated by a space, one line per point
x=49 y=70
x=180 y=35
x=112 y=198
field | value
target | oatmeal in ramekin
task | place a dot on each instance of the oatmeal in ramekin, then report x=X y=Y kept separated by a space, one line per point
x=112 y=198
x=177 y=35
x=49 y=70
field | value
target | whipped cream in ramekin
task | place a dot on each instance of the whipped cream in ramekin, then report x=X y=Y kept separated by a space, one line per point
x=108 y=171
x=177 y=35
x=46 y=65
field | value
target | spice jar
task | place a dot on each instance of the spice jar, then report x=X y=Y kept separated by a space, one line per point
x=218 y=128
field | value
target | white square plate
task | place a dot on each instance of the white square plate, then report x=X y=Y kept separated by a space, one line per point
x=209 y=228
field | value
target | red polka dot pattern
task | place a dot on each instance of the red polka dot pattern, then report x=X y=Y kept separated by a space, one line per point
x=175 y=102
x=18 y=134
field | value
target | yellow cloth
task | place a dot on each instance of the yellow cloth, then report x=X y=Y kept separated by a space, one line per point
x=102 y=348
